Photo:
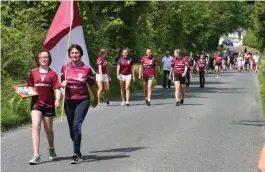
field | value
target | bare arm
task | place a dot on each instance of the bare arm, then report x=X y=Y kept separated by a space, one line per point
x=100 y=69
x=261 y=163
x=170 y=73
x=140 y=72
x=93 y=89
x=133 y=75
x=118 y=71
x=57 y=97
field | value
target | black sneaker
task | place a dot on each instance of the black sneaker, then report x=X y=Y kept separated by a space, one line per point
x=177 y=103
x=75 y=159
x=181 y=101
x=107 y=102
x=148 y=103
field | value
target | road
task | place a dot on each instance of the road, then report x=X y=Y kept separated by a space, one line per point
x=219 y=129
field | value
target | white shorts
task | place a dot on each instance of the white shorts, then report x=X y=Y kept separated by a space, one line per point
x=125 y=77
x=104 y=78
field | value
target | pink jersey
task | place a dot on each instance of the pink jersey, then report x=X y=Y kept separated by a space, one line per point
x=218 y=59
x=44 y=83
x=125 y=66
x=149 y=65
x=78 y=79
x=201 y=64
x=179 y=65
x=104 y=63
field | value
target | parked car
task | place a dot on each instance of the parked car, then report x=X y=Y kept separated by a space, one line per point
x=227 y=42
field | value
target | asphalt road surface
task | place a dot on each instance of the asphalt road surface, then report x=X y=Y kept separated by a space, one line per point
x=219 y=129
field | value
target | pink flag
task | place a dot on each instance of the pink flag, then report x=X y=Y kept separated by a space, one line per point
x=58 y=35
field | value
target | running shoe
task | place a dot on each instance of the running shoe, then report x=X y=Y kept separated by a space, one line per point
x=106 y=100
x=181 y=101
x=99 y=105
x=52 y=154
x=75 y=159
x=122 y=103
x=148 y=103
x=35 y=160
x=177 y=103
x=127 y=104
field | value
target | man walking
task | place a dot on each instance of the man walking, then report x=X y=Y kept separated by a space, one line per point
x=166 y=64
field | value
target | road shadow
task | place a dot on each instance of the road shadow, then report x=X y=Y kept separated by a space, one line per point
x=162 y=93
x=258 y=123
x=91 y=158
x=129 y=149
x=207 y=89
x=209 y=82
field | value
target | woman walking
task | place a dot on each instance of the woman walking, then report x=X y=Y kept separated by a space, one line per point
x=76 y=76
x=125 y=73
x=102 y=77
x=147 y=72
x=218 y=64
x=46 y=83
x=179 y=68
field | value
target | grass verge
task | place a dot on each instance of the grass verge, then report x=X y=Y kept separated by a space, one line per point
x=261 y=76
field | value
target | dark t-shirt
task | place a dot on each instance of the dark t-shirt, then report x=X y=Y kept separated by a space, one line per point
x=125 y=65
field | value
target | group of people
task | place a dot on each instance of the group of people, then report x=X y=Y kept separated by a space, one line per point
x=77 y=78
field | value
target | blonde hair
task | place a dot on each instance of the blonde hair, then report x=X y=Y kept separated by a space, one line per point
x=177 y=50
x=102 y=52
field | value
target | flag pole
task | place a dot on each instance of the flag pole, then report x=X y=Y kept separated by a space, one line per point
x=67 y=58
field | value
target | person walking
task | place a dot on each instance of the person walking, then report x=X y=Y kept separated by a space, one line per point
x=148 y=72
x=179 y=68
x=76 y=78
x=125 y=73
x=201 y=64
x=47 y=85
x=102 y=77
x=166 y=64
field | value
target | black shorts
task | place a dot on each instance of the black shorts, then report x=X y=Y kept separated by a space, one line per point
x=178 y=77
x=218 y=64
x=147 y=78
x=48 y=112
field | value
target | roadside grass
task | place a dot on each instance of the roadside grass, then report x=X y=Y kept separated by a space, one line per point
x=15 y=112
x=261 y=76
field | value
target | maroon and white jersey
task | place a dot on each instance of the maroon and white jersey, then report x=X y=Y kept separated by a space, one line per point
x=179 y=65
x=78 y=78
x=45 y=84
x=201 y=64
x=125 y=65
x=104 y=63
x=218 y=59
x=149 y=65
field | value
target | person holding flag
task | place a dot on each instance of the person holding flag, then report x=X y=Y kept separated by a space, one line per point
x=76 y=76
x=46 y=83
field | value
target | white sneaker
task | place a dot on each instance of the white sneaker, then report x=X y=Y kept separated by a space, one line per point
x=52 y=154
x=98 y=105
x=127 y=104
x=122 y=103
x=35 y=160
